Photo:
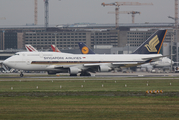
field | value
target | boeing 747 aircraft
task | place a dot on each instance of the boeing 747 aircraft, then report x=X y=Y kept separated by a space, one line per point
x=53 y=62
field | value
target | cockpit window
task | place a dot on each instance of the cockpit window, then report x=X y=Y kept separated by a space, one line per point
x=16 y=54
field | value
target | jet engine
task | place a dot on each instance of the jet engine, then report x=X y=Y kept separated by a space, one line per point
x=74 y=70
x=104 y=69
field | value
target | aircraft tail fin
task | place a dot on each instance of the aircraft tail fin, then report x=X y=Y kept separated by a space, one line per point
x=53 y=48
x=153 y=44
x=85 y=49
x=30 y=48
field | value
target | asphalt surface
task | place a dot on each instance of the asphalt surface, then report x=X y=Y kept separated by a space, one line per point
x=104 y=74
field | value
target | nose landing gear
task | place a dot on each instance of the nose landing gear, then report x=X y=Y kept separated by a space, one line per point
x=21 y=74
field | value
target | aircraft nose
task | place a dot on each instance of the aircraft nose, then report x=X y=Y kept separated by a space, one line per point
x=5 y=62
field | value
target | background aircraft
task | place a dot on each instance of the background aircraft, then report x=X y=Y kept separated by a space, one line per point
x=30 y=48
x=162 y=63
x=85 y=49
x=55 y=49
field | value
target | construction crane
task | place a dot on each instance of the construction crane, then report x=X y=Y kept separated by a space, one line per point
x=117 y=4
x=176 y=15
x=35 y=12
x=176 y=24
x=127 y=12
x=171 y=17
x=46 y=13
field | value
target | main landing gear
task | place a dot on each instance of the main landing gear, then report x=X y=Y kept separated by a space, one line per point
x=85 y=74
x=73 y=74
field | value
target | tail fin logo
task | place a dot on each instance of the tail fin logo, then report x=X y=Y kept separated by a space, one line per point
x=85 y=50
x=151 y=47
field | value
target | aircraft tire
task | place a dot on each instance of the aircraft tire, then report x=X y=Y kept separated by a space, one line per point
x=73 y=74
x=88 y=74
x=21 y=75
x=85 y=74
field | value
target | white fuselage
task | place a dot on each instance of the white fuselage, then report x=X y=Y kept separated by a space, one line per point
x=45 y=61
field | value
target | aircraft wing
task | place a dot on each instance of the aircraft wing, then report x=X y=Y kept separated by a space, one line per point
x=126 y=64
x=116 y=63
x=153 y=58
x=68 y=66
x=91 y=65
x=94 y=66
x=59 y=66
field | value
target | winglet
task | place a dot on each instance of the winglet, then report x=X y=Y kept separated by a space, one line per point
x=153 y=44
x=85 y=49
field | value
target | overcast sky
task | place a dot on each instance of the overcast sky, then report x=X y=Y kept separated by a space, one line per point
x=20 y=12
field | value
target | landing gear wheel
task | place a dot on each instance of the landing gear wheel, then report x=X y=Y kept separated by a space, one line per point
x=73 y=74
x=85 y=74
x=88 y=74
x=21 y=75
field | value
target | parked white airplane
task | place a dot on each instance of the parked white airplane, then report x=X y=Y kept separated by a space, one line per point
x=53 y=62
x=30 y=48
x=161 y=63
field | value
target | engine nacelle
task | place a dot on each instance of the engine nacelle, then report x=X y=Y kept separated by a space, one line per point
x=104 y=69
x=74 y=70
x=51 y=72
